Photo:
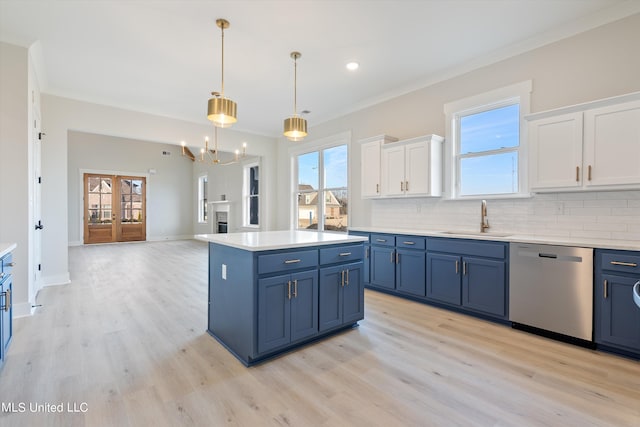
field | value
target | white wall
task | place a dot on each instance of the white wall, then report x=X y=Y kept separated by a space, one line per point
x=170 y=205
x=15 y=166
x=599 y=63
x=62 y=115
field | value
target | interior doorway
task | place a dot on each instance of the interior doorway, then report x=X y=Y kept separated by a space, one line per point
x=114 y=208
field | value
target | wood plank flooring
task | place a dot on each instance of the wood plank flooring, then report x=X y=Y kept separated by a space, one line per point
x=127 y=337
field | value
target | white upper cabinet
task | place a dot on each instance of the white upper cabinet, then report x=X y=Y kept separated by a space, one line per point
x=412 y=167
x=370 y=164
x=612 y=145
x=589 y=146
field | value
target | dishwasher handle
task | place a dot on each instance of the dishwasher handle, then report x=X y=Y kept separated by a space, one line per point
x=543 y=255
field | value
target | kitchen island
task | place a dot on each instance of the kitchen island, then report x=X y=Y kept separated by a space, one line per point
x=271 y=292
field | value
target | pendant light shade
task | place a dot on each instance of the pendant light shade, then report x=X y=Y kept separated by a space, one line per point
x=222 y=111
x=295 y=127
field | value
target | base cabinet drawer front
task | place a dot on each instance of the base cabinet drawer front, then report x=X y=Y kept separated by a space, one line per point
x=484 y=285
x=341 y=254
x=287 y=261
x=341 y=295
x=443 y=278
x=287 y=309
x=618 y=319
x=383 y=266
x=383 y=239
x=411 y=272
x=6 y=265
x=620 y=261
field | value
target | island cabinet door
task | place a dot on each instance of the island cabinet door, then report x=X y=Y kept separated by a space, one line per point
x=353 y=294
x=330 y=303
x=274 y=312
x=304 y=305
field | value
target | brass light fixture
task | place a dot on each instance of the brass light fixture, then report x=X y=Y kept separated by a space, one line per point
x=222 y=111
x=295 y=127
x=208 y=155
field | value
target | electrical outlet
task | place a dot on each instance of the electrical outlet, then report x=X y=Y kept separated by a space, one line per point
x=224 y=271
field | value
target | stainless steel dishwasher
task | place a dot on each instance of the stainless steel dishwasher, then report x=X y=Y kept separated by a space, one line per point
x=551 y=288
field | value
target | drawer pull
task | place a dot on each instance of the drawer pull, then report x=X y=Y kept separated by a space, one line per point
x=381 y=240
x=408 y=243
x=292 y=261
x=345 y=253
x=624 y=264
x=11 y=264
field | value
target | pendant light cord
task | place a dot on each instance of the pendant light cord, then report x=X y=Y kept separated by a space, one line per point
x=295 y=85
x=222 y=73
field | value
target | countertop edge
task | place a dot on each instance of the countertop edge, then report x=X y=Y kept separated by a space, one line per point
x=5 y=248
x=269 y=246
x=512 y=238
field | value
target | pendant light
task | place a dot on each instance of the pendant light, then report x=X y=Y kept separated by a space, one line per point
x=222 y=111
x=211 y=155
x=295 y=127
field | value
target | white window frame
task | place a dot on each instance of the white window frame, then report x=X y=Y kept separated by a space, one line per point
x=517 y=93
x=320 y=145
x=203 y=199
x=246 y=167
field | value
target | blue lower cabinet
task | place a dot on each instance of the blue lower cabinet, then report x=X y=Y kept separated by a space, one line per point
x=366 y=265
x=619 y=320
x=443 y=278
x=383 y=267
x=483 y=285
x=341 y=295
x=287 y=309
x=411 y=272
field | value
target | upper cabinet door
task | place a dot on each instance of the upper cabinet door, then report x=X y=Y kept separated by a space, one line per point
x=370 y=168
x=417 y=171
x=392 y=170
x=612 y=145
x=555 y=152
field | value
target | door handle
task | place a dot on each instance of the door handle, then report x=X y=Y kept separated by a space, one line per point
x=39 y=225
x=457 y=266
x=464 y=268
x=605 y=287
x=7 y=300
x=295 y=288
x=289 y=289
x=342 y=278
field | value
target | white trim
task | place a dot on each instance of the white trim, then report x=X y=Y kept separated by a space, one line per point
x=246 y=165
x=57 y=280
x=482 y=102
x=199 y=193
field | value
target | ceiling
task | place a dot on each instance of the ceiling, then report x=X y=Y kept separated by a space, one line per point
x=164 y=57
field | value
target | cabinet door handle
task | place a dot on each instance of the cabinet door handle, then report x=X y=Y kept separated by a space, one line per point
x=345 y=253
x=342 y=278
x=406 y=186
x=11 y=264
x=408 y=243
x=347 y=281
x=464 y=268
x=397 y=258
x=289 y=289
x=391 y=258
x=292 y=261
x=624 y=264
x=457 y=266
x=377 y=188
x=606 y=289
x=7 y=300
x=401 y=186
x=1 y=275
x=295 y=288
x=577 y=173
x=589 y=173
x=366 y=252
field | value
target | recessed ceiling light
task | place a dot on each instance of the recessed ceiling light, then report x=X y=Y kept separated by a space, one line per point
x=352 y=66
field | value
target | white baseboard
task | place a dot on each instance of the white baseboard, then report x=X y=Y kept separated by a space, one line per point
x=162 y=238
x=23 y=309
x=76 y=243
x=60 y=279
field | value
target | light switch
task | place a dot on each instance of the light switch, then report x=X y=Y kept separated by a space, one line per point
x=224 y=271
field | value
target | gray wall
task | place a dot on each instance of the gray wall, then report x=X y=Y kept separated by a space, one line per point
x=169 y=197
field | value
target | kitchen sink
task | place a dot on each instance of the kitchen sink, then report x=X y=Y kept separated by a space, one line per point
x=476 y=233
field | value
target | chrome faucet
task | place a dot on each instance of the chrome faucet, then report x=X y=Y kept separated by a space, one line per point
x=484 y=222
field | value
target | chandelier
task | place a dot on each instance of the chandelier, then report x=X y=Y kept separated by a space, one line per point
x=208 y=155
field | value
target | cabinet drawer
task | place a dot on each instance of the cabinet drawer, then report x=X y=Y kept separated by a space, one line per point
x=383 y=239
x=336 y=254
x=620 y=261
x=287 y=261
x=411 y=242
x=7 y=265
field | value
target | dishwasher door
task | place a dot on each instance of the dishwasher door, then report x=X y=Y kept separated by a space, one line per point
x=551 y=288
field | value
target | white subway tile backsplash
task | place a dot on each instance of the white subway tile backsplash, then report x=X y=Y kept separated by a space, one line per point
x=611 y=214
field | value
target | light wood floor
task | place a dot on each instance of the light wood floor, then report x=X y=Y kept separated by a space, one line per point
x=127 y=337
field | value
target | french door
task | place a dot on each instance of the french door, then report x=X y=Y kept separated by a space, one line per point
x=114 y=208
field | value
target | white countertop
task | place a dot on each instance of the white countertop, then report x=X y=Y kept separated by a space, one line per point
x=269 y=240
x=630 y=245
x=5 y=248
